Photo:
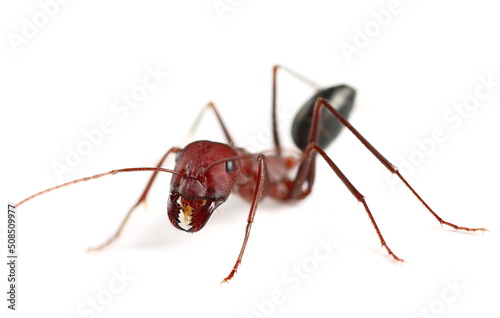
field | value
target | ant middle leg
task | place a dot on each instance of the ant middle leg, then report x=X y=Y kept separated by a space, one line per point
x=257 y=195
x=340 y=96
x=276 y=139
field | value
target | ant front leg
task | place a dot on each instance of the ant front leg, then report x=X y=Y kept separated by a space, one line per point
x=219 y=119
x=142 y=199
x=259 y=187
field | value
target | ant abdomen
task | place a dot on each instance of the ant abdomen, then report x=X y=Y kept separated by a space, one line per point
x=341 y=97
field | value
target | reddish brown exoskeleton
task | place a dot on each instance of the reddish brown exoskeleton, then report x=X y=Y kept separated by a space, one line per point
x=206 y=172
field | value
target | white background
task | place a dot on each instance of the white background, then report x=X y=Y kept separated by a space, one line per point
x=428 y=57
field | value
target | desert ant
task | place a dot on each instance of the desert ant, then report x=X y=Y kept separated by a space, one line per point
x=206 y=172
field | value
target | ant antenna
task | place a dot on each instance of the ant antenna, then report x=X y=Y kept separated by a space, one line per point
x=112 y=172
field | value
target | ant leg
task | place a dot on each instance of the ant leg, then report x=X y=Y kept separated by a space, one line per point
x=261 y=178
x=277 y=143
x=393 y=169
x=304 y=174
x=219 y=119
x=142 y=199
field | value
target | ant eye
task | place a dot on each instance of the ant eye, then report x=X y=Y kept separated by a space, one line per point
x=177 y=155
x=230 y=166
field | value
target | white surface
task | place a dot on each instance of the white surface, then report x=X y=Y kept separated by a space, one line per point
x=427 y=59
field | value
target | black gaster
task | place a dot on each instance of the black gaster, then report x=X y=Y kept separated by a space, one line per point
x=341 y=97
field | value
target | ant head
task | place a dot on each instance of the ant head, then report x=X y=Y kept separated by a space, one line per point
x=208 y=172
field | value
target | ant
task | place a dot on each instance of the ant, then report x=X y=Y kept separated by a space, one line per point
x=206 y=172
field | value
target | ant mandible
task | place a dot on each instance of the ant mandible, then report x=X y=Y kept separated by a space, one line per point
x=206 y=172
